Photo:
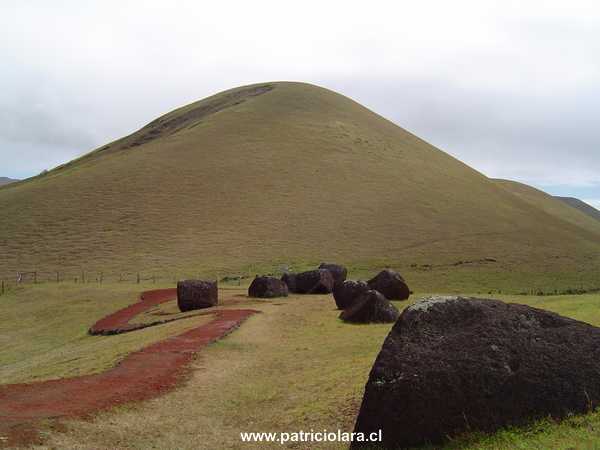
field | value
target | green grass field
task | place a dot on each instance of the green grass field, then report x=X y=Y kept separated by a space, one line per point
x=293 y=176
x=293 y=367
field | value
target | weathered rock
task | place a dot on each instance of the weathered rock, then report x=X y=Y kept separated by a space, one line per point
x=452 y=365
x=391 y=284
x=339 y=272
x=318 y=281
x=347 y=292
x=196 y=294
x=267 y=287
x=290 y=280
x=370 y=307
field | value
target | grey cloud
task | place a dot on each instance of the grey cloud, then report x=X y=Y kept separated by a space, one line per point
x=43 y=126
x=546 y=139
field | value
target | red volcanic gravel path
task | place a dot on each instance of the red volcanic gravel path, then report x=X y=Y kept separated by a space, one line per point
x=118 y=322
x=142 y=375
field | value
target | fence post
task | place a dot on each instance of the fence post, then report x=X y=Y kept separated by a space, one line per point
x=138 y=278
x=2 y=287
x=82 y=276
x=34 y=277
x=57 y=277
x=101 y=277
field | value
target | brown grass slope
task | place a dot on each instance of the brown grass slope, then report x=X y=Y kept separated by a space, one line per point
x=280 y=173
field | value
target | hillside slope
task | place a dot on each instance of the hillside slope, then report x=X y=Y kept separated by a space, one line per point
x=581 y=206
x=282 y=173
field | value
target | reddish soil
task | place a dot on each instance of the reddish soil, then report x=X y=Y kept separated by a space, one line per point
x=142 y=375
x=118 y=322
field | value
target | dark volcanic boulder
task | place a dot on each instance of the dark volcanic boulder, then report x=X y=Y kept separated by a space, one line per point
x=290 y=280
x=339 y=272
x=390 y=284
x=196 y=294
x=267 y=287
x=347 y=292
x=452 y=364
x=370 y=307
x=318 y=281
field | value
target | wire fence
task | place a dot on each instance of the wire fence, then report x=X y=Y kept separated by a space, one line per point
x=23 y=278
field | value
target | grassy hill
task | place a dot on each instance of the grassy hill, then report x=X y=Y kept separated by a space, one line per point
x=287 y=173
x=581 y=206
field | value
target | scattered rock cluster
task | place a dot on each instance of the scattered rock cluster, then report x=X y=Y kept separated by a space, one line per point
x=196 y=294
x=361 y=302
x=367 y=302
x=370 y=307
x=267 y=287
x=452 y=365
x=318 y=281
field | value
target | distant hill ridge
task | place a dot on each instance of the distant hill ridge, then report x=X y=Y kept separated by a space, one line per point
x=555 y=206
x=581 y=206
x=6 y=180
x=283 y=173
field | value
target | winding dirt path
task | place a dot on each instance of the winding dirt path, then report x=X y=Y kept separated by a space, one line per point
x=142 y=375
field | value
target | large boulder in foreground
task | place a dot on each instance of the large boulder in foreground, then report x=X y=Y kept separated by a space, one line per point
x=347 y=292
x=370 y=307
x=338 y=272
x=318 y=281
x=196 y=294
x=391 y=284
x=267 y=287
x=452 y=365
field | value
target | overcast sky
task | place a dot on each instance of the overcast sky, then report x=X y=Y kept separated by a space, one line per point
x=511 y=88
